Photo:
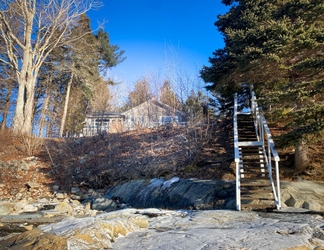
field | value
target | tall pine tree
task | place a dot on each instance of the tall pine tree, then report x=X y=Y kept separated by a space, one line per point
x=278 y=47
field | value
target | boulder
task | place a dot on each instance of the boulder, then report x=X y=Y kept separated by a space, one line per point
x=64 y=207
x=30 y=208
x=6 y=208
x=32 y=184
x=35 y=239
x=175 y=194
x=303 y=194
x=104 y=203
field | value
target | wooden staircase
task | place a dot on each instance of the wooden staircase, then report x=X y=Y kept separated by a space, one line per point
x=254 y=157
x=256 y=192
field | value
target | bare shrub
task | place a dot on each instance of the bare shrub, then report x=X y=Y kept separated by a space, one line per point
x=31 y=143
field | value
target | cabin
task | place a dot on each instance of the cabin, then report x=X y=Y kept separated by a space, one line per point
x=102 y=122
x=149 y=114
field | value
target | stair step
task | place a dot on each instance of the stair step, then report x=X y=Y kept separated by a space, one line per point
x=259 y=206
x=254 y=185
x=249 y=198
x=249 y=153
x=256 y=191
x=250 y=165
x=247 y=150
x=251 y=161
x=244 y=179
x=255 y=173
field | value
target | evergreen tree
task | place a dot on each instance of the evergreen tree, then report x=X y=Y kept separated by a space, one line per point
x=169 y=97
x=196 y=107
x=142 y=92
x=110 y=55
x=278 y=47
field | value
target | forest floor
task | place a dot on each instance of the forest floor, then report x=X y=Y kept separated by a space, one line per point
x=203 y=151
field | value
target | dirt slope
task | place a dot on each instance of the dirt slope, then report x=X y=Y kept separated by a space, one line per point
x=203 y=151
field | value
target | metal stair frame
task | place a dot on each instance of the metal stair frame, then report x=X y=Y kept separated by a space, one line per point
x=263 y=136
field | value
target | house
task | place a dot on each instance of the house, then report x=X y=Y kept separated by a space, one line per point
x=99 y=122
x=149 y=114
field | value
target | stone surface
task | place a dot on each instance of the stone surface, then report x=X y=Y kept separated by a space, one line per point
x=104 y=203
x=64 y=207
x=30 y=208
x=35 y=239
x=97 y=232
x=183 y=229
x=6 y=208
x=32 y=184
x=178 y=194
x=303 y=194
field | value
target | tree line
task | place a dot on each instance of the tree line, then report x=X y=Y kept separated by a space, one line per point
x=52 y=67
x=51 y=62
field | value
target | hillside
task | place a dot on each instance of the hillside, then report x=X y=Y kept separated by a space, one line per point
x=100 y=162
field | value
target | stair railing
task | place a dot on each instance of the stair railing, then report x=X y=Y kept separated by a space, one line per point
x=263 y=134
x=237 y=157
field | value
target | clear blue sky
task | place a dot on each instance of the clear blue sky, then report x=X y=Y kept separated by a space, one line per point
x=156 y=34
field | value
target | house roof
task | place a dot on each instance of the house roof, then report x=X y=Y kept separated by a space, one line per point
x=156 y=103
x=105 y=115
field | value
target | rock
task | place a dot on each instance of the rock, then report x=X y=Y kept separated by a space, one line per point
x=97 y=232
x=64 y=207
x=30 y=208
x=19 y=206
x=100 y=191
x=32 y=184
x=35 y=239
x=303 y=194
x=43 y=200
x=60 y=195
x=175 y=194
x=29 y=227
x=104 y=203
x=76 y=197
x=55 y=188
x=6 y=208
x=51 y=213
x=164 y=229
x=75 y=190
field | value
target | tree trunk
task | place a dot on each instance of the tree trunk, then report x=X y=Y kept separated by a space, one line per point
x=66 y=104
x=6 y=106
x=29 y=107
x=19 y=112
x=301 y=156
x=23 y=119
x=43 y=114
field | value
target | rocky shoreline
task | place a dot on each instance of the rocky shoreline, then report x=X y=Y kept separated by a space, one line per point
x=25 y=216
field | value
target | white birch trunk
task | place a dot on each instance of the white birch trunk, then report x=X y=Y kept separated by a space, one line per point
x=66 y=104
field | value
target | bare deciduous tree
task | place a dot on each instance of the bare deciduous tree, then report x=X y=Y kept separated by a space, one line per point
x=45 y=25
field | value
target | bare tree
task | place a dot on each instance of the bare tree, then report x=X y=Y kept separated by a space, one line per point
x=45 y=25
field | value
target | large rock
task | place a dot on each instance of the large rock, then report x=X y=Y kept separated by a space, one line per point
x=175 y=194
x=303 y=194
x=167 y=229
x=104 y=203
x=6 y=208
x=97 y=232
x=64 y=207
x=35 y=239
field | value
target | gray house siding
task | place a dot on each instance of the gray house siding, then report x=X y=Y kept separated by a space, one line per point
x=149 y=114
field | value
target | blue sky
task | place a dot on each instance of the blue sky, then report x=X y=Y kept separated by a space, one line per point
x=159 y=34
